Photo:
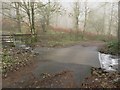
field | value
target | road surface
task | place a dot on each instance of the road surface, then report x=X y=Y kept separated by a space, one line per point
x=78 y=59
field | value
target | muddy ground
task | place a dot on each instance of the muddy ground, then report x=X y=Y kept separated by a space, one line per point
x=58 y=68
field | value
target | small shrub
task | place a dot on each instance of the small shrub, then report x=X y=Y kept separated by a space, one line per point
x=114 y=47
x=111 y=47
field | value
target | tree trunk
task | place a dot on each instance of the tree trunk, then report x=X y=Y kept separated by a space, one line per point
x=119 y=30
x=48 y=16
x=28 y=13
x=119 y=22
x=32 y=16
x=17 y=6
x=76 y=9
x=85 y=22
x=109 y=32
x=104 y=16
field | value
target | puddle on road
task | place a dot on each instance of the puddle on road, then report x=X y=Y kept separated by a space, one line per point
x=108 y=62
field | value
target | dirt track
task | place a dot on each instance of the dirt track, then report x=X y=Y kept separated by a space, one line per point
x=78 y=59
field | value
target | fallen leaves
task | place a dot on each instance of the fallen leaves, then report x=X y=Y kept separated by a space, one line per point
x=61 y=79
x=102 y=79
x=14 y=58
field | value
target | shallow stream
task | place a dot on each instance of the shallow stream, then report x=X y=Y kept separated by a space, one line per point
x=108 y=62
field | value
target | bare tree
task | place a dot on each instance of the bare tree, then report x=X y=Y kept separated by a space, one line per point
x=76 y=15
x=118 y=28
x=46 y=12
x=11 y=11
x=17 y=7
x=111 y=19
x=33 y=17
x=85 y=21
x=104 y=17
x=76 y=10
x=29 y=8
x=97 y=25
